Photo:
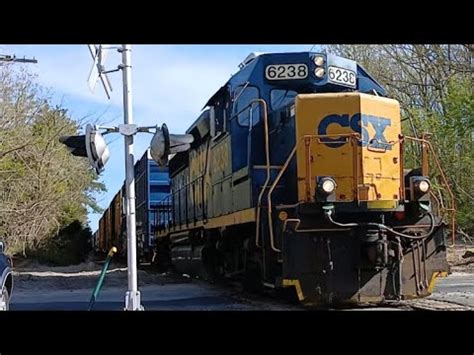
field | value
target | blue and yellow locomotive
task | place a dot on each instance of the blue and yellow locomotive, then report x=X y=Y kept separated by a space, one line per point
x=295 y=178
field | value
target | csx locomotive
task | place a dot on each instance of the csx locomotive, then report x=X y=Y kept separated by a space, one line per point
x=296 y=178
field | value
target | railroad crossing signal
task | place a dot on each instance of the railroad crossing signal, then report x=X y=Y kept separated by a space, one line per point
x=93 y=146
x=99 y=55
x=164 y=144
x=90 y=145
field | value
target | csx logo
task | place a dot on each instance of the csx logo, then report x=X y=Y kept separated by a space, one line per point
x=379 y=125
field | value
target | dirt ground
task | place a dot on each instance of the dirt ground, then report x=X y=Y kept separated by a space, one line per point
x=36 y=284
x=33 y=275
x=40 y=287
x=461 y=257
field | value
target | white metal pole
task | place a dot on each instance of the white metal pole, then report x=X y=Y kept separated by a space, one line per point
x=132 y=297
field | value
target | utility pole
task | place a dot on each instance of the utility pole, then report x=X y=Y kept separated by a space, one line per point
x=128 y=129
x=132 y=297
x=93 y=146
x=13 y=59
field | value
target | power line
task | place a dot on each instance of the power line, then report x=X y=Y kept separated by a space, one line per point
x=13 y=59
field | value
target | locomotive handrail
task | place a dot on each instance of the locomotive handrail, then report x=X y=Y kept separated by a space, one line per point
x=267 y=168
x=170 y=205
x=452 y=209
x=307 y=139
x=166 y=206
x=245 y=108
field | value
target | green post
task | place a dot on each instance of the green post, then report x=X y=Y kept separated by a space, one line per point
x=97 y=288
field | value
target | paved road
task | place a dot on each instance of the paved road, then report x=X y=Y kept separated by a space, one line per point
x=72 y=291
x=53 y=291
x=191 y=296
x=457 y=287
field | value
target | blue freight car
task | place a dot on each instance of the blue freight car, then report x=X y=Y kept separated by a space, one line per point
x=152 y=184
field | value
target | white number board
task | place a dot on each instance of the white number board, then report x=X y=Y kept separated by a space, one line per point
x=342 y=76
x=286 y=71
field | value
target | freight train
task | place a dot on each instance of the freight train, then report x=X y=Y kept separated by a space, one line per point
x=297 y=179
x=152 y=184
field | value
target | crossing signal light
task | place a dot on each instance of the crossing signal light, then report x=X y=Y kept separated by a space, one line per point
x=75 y=144
x=90 y=145
x=164 y=144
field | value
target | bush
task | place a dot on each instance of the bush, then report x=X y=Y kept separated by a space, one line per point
x=69 y=247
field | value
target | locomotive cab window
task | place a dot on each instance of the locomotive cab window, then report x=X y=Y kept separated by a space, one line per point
x=280 y=98
x=244 y=96
x=219 y=116
x=220 y=104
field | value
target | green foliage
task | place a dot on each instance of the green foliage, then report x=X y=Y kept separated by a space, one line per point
x=43 y=188
x=69 y=247
x=433 y=84
x=452 y=140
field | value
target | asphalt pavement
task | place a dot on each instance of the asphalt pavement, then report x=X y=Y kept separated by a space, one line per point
x=73 y=290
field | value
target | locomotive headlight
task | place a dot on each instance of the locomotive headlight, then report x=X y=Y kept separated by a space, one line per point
x=318 y=60
x=327 y=185
x=419 y=188
x=423 y=186
x=319 y=72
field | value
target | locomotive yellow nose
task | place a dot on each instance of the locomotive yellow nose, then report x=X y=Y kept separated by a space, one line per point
x=352 y=138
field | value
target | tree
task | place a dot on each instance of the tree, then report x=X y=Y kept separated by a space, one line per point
x=71 y=245
x=42 y=187
x=433 y=84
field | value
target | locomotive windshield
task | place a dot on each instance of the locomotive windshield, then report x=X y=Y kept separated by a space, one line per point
x=280 y=98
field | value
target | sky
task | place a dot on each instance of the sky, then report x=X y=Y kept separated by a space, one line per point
x=170 y=84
